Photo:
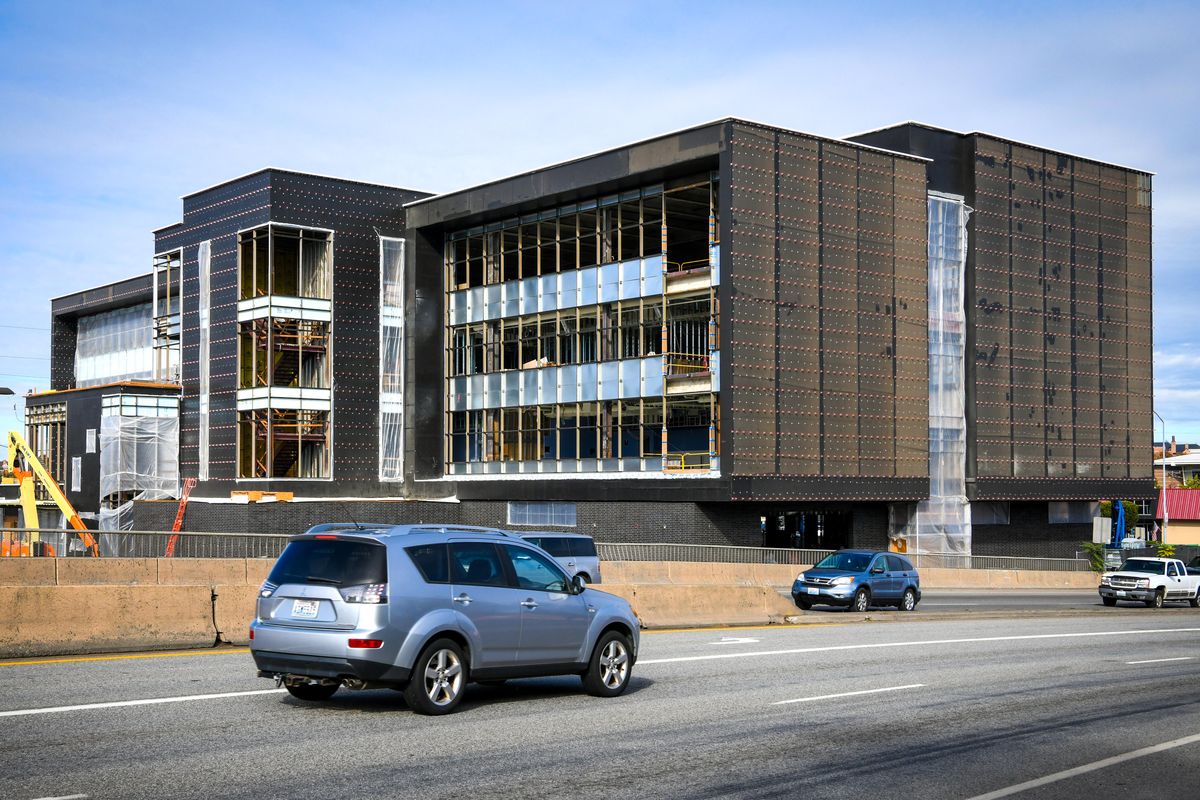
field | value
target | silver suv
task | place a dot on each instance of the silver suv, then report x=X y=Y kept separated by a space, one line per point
x=425 y=609
x=576 y=552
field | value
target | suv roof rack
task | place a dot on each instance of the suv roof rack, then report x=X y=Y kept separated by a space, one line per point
x=460 y=529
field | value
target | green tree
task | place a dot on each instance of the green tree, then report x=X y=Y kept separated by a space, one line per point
x=1165 y=550
x=1095 y=555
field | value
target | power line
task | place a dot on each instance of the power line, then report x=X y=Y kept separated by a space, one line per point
x=23 y=327
x=28 y=358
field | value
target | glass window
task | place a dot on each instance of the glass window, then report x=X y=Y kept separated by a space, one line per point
x=583 y=546
x=431 y=561
x=476 y=563
x=335 y=562
x=535 y=571
x=557 y=546
x=528 y=512
x=1072 y=512
x=898 y=564
x=993 y=513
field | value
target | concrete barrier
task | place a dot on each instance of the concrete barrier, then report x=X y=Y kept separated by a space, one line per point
x=80 y=605
x=660 y=605
x=55 y=620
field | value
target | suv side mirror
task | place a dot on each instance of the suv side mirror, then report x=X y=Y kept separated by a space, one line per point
x=578 y=583
x=877 y=571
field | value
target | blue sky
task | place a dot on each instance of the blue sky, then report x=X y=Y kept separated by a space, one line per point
x=109 y=112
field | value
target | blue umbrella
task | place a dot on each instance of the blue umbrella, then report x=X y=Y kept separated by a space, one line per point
x=1118 y=523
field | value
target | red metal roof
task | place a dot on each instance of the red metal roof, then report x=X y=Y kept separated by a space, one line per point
x=1181 y=504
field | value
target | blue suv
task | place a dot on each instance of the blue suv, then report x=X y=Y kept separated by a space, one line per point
x=859 y=579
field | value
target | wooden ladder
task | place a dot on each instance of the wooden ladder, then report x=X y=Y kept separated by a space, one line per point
x=188 y=485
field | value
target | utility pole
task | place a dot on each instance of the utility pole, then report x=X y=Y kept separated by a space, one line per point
x=1164 y=475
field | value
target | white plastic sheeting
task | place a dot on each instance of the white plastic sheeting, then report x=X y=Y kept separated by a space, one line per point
x=391 y=359
x=139 y=460
x=114 y=346
x=942 y=524
x=204 y=259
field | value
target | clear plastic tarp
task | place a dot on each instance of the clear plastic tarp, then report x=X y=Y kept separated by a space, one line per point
x=391 y=359
x=114 y=346
x=139 y=460
x=942 y=524
x=204 y=259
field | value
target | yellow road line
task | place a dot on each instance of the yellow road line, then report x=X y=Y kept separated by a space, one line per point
x=78 y=659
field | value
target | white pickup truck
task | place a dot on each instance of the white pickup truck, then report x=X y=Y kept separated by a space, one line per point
x=1151 y=581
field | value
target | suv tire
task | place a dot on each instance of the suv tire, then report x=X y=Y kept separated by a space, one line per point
x=609 y=668
x=909 y=601
x=438 y=678
x=861 y=601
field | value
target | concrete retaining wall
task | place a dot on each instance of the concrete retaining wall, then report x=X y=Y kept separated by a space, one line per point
x=78 y=605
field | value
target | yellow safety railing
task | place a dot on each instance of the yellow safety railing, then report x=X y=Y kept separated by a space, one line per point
x=686 y=363
x=683 y=462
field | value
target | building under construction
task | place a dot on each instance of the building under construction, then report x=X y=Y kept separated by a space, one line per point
x=732 y=334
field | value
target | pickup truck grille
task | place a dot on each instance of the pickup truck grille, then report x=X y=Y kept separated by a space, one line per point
x=1124 y=583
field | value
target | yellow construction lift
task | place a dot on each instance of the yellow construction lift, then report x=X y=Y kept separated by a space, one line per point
x=17 y=446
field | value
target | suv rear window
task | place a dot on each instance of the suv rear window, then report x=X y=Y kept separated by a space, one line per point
x=557 y=546
x=331 y=561
x=583 y=547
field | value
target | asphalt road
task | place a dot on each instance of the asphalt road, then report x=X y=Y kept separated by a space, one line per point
x=936 y=707
x=978 y=601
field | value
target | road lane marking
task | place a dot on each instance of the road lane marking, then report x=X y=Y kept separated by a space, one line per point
x=79 y=659
x=1085 y=768
x=25 y=712
x=924 y=643
x=847 y=694
x=65 y=797
x=1161 y=660
x=737 y=640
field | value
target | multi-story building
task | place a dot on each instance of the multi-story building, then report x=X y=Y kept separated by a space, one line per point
x=732 y=334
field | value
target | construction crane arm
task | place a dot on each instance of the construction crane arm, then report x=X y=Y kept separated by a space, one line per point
x=17 y=444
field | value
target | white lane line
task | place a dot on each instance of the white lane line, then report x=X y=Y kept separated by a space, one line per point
x=64 y=797
x=925 y=643
x=25 y=712
x=1085 y=768
x=1161 y=660
x=847 y=694
x=927 y=603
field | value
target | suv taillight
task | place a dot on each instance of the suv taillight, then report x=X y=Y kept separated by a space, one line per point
x=365 y=593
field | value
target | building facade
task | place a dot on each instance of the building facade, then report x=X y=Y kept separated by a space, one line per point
x=731 y=334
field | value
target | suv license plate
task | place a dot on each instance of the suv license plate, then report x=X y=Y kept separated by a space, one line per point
x=305 y=609
x=813 y=590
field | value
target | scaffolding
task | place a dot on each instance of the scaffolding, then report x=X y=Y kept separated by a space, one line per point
x=165 y=277
x=285 y=352
x=283 y=443
x=46 y=432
